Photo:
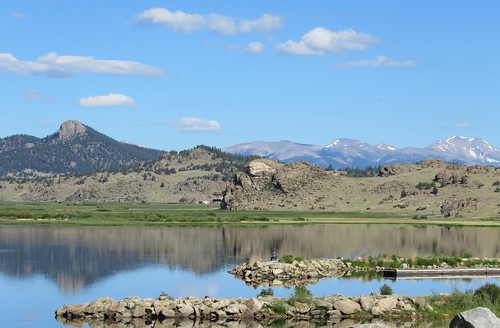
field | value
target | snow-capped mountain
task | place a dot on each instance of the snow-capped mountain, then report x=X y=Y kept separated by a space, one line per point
x=355 y=153
x=475 y=149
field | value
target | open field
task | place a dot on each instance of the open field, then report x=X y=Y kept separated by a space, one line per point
x=121 y=214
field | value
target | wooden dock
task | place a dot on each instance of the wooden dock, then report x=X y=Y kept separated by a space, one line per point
x=441 y=273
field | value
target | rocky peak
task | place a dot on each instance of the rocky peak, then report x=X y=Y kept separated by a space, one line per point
x=70 y=129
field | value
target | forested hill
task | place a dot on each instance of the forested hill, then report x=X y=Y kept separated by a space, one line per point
x=74 y=148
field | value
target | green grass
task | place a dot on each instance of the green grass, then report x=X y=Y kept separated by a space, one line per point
x=459 y=301
x=122 y=214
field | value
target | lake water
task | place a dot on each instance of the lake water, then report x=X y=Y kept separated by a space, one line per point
x=42 y=268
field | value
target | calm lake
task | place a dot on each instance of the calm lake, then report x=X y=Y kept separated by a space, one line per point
x=42 y=268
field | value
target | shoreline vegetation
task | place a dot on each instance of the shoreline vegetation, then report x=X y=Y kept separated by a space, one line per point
x=134 y=214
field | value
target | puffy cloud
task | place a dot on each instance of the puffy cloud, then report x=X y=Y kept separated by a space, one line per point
x=180 y=21
x=112 y=99
x=263 y=24
x=177 y=21
x=254 y=48
x=53 y=65
x=321 y=41
x=380 y=61
x=197 y=124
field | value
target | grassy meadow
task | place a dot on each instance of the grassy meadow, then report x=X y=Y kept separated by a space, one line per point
x=123 y=214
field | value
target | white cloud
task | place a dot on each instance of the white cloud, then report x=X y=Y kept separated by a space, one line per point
x=254 y=48
x=180 y=21
x=197 y=124
x=263 y=24
x=53 y=65
x=112 y=99
x=380 y=61
x=321 y=41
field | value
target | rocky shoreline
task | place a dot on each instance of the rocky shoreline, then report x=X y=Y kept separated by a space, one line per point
x=301 y=272
x=254 y=311
x=260 y=274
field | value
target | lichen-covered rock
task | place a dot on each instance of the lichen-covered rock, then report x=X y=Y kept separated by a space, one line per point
x=347 y=306
x=387 y=304
x=366 y=303
x=476 y=318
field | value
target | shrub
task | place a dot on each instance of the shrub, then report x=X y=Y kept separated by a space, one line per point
x=466 y=255
x=278 y=306
x=424 y=185
x=266 y=292
x=301 y=294
x=286 y=259
x=490 y=291
x=386 y=290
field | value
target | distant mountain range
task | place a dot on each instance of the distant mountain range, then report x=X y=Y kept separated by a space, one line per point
x=354 y=153
x=75 y=148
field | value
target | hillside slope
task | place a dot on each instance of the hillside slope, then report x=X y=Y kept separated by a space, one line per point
x=75 y=148
x=428 y=188
x=188 y=176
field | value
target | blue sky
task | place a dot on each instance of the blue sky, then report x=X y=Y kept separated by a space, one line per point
x=175 y=74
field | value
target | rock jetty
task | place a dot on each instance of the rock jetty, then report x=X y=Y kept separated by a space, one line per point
x=298 y=273
x=165 y=311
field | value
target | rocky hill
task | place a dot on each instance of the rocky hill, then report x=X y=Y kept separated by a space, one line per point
x=428 y=188
x=189 y=176
x=75 y=148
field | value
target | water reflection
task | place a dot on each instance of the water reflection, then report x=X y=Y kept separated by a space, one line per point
x=79 y=256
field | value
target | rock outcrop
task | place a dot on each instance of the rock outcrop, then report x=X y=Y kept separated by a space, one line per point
x=476 y=318
x=70 y=129
x=264 y=179
x=453 y=206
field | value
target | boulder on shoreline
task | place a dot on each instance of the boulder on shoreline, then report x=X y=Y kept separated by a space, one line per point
x=476 y=318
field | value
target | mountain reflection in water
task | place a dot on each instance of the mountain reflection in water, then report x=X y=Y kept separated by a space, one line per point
x=80 y=256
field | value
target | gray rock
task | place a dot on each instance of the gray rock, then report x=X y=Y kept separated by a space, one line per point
x=347 y=306
x=366 y=303
x=302 y=308
x=334 y=314
x=476 y=318
x=233 y=309
x=185 y=311
x=377 y=312
x=387 y=304
x=138 y=311
x=254 y=305
x=323 y=304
